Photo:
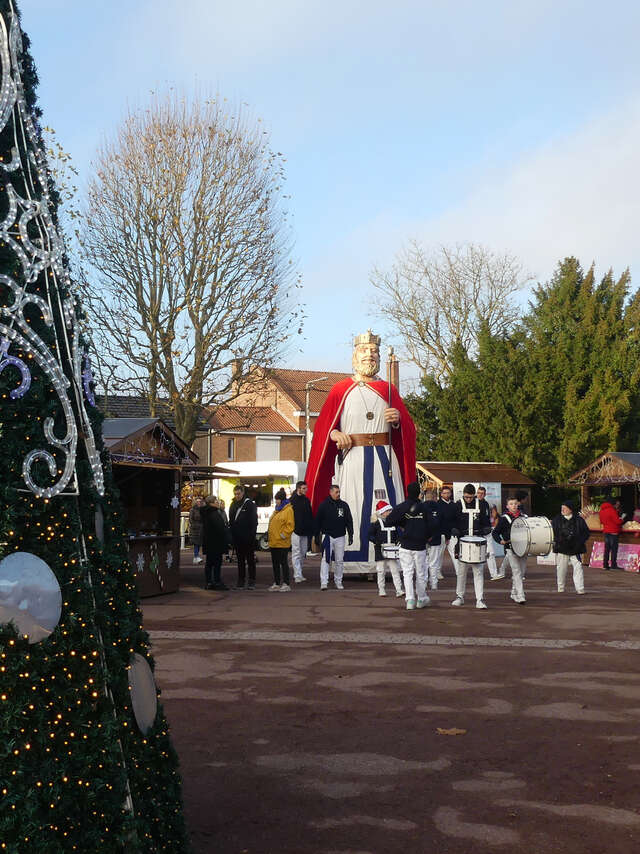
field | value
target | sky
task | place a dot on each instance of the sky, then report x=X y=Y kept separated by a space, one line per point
x=512 y=124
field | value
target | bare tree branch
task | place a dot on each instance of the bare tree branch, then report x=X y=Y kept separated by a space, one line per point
x=187 y=251
x=436 y=300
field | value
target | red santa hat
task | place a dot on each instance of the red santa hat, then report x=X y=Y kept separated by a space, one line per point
x=382 y=507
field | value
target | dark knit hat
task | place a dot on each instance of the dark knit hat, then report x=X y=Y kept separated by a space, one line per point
x=569 y=503
x=413 y=490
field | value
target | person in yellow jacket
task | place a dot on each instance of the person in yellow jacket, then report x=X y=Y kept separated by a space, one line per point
x=281 y=525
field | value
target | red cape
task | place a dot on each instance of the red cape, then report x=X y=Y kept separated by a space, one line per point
x=320 y=468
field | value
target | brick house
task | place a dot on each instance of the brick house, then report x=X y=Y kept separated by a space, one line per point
x=269 y=424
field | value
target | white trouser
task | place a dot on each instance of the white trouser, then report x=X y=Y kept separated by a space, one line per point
x=388 y=565
x=414 y=563
x=336 y=545
x=562 y=565
x=491 y=556
x=436 y=557
x=478 y=579
x=299 y=545
x=518 y=568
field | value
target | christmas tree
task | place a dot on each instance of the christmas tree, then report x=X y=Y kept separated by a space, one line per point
x=86 y=763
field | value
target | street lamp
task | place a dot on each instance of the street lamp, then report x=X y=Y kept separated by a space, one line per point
x=307 y=430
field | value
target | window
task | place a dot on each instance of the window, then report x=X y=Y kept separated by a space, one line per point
x=267 y=447
x=231 y=449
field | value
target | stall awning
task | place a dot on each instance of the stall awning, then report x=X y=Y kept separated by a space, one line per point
x=440 y=472
x=611 y=468
x=145 y=441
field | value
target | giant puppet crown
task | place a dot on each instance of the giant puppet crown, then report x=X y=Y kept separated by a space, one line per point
x=367 y=338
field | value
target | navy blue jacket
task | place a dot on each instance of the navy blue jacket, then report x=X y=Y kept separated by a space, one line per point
x=481 y=521
x=302 y=515
x=418 y=521
x=380 y=534
x=334 y=518
x=447 y=512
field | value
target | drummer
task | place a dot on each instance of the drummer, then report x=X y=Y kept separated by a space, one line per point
x=385 y=549
x=502 y=535
x=468 y=507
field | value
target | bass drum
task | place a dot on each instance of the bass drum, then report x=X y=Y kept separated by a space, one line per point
x=531 y=535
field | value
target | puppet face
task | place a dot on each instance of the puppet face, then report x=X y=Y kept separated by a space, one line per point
x=366 y=359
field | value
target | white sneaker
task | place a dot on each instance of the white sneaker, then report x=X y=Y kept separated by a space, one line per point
x=339 y=585
x=298 y=580
x=440 y=576
x=411 y=604
x=323 y=587
x=457 y=602
x=382 y=592
x=422 y=603
x=480 y=605
x=274 y=587
x=284 y=588
x=560 y=589
x=580 y=592
x=399 y=594
x=197 y=560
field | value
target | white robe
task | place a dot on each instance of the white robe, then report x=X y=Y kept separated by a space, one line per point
x=363 y=476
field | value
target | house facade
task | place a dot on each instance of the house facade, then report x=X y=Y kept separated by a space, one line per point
x=273 y=423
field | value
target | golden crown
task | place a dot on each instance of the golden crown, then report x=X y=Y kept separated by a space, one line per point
x=367 y=338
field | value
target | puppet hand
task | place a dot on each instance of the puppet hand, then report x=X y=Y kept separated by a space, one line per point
x=392 y=415
x=342 y=440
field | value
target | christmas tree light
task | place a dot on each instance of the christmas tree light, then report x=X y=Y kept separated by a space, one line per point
x=86 y=762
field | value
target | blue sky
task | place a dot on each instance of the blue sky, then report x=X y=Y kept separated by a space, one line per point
x=513 y=124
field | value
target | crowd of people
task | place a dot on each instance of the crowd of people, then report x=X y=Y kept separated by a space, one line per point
x=409 y=541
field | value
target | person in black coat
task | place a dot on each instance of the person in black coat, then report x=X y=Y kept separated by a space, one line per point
x=333 y=522
x=468 y=507
x=446 y=509
x=215 y=542
x=303 y=531
x=570 y=535
x=384 y=538
x=243 y=521
x=419 y=526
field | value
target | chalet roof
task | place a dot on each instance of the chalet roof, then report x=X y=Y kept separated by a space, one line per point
x=292 y=382
x=124 y=436
x=250 y=419
x=610 y=468
x=450 y=472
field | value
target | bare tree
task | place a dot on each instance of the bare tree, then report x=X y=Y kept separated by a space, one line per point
x=435 y=300
x=187 y=257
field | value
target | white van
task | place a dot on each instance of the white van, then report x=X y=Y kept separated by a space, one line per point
x=261 y=481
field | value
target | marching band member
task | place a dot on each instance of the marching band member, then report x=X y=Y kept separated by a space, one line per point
x=467 y=507
x=492 y=566
x=381 y=535
x=447 y=514
x=502 y=534
x=570 y=535
x=418 y=526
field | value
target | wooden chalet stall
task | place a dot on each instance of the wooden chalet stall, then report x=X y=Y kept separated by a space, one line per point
x=148 y=458
x=614 y=475
x=501 y=482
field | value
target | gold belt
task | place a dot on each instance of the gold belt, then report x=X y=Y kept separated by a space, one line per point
x=359 y=439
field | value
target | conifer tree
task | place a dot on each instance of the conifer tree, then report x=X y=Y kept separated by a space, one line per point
x=80 y=770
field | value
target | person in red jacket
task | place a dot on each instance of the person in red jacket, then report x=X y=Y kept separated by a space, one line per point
x=611 y=523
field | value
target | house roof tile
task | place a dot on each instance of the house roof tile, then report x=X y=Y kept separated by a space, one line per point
x=250 y=419
x=292 y=382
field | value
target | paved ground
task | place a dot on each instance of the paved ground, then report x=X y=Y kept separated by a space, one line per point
x=340 y=723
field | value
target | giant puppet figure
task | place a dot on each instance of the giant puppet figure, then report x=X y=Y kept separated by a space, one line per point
x=361 y=423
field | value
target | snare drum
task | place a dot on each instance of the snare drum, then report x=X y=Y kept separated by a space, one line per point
x=531 y=535
x=390 y=551
x=473 y=549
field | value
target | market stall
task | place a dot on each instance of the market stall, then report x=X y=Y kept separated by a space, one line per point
x=616 y=476
x=147 y=458
x=501 y=481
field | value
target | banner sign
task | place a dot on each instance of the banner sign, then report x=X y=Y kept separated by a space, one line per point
x=628 y=556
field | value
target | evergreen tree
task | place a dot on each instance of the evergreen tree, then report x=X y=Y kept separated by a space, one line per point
x=79 y=770
x=557 y=392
